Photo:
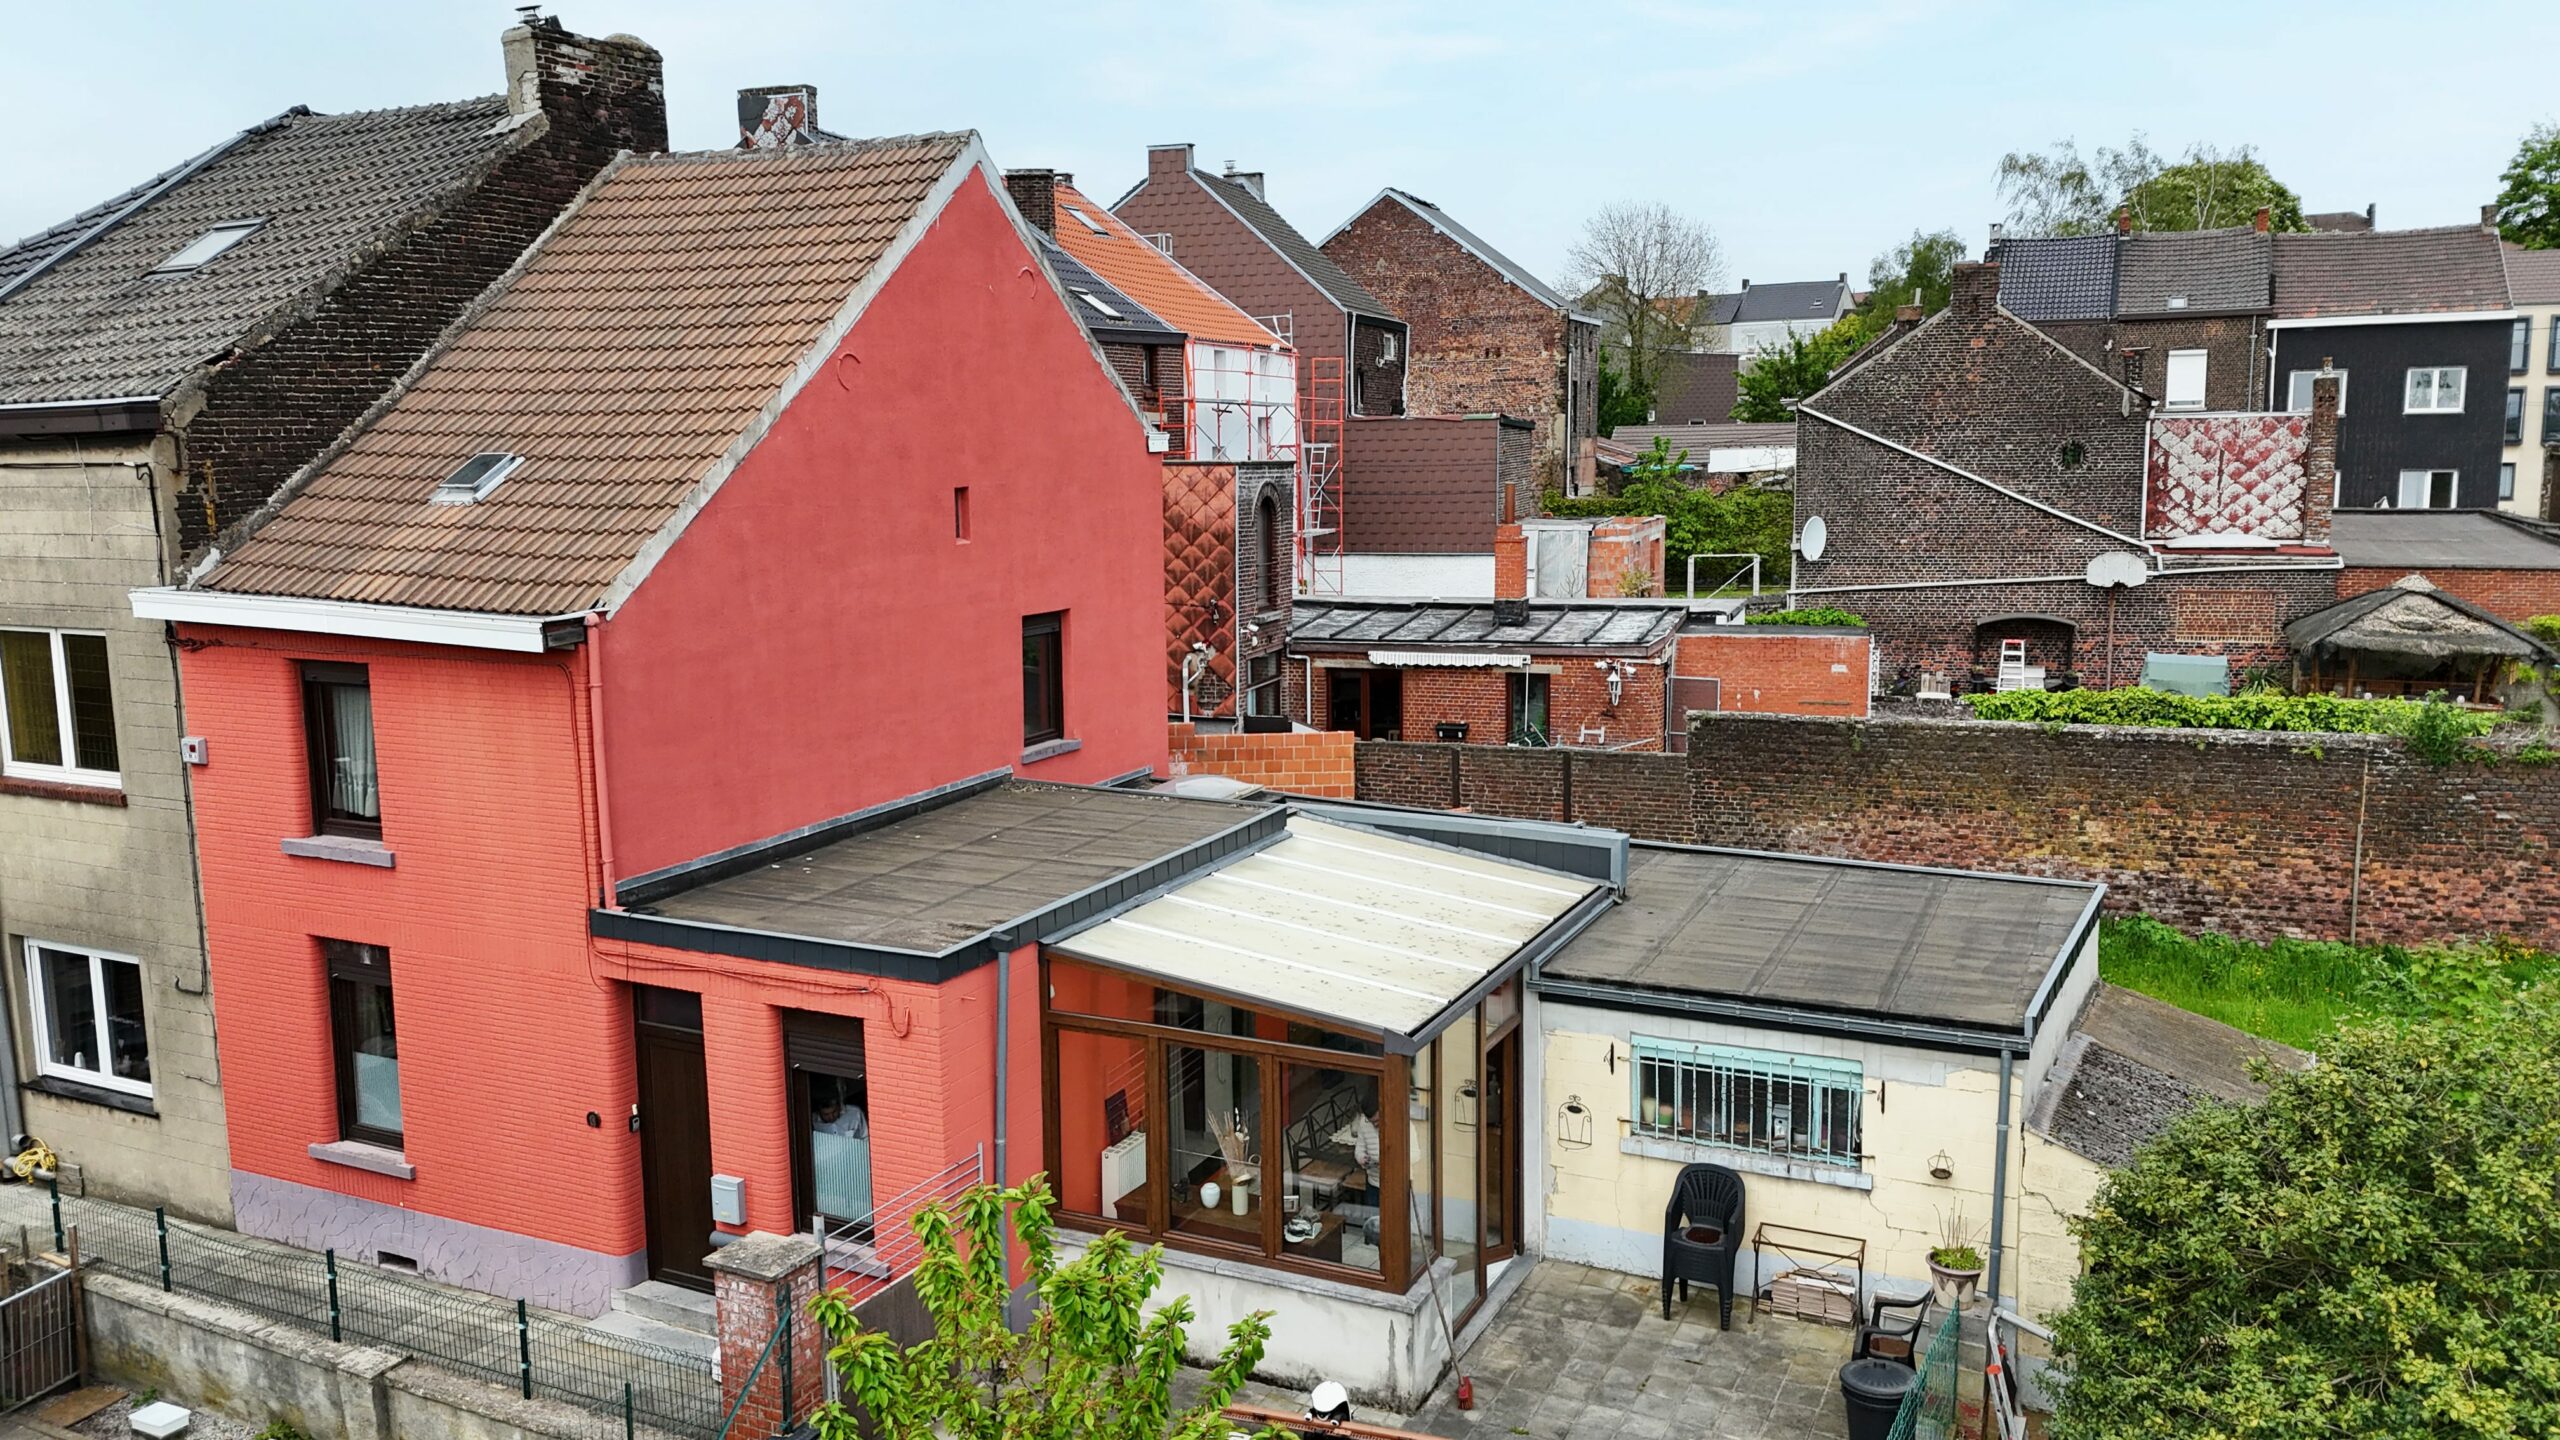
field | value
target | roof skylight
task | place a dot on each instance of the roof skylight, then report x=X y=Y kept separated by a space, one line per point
x=204 y=247
x=474 y=478
x=1087 y=221
x=1098 y=303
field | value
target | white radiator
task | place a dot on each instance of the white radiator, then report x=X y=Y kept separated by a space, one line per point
x=1124 y=1170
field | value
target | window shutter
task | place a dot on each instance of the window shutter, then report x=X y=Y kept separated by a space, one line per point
x=828 y=1043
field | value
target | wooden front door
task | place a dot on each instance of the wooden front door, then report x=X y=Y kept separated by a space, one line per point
x=675 y=1135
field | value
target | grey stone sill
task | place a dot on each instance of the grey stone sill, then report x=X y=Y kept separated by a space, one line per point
x=60 y=1088
x=357 y=1155
x=344 y=848
x=1050 y=750
x=1749 y=1162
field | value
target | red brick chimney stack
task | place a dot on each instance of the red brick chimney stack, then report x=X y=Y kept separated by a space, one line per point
x=1973 y=289
x=2124 y=219
x=2264 y=222
x=1906 y=314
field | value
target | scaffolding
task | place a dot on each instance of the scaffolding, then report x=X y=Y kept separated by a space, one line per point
x=1320 y=476
x=1242 y=406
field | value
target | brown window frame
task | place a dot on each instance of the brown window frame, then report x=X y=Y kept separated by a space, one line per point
x=350 y=964
x=317 y=680
x=1047 y=720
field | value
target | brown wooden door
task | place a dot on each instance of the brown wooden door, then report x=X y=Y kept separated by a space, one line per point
x=675 y=1135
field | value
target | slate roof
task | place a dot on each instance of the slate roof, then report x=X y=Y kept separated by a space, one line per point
x=1597 y=626
x=626 y=356
x=1512 y=270
x=2533 y=276
x=2133 y=1064
x=98 y=326
x=2441 y=540
x=1135 y=324
x=1282 y=236
x=2058 y=277
x=1699 y=439
x=2206 y=272
x=1787 y=300
x=1697 y=385
x=1138 y=269
x=2389 y=272
x=2340 y=221
x=1720 y=309
x=1902 y=943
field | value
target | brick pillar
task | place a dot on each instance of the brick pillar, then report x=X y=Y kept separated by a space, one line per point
x=750 y=1279
x=1510 y=563
x=2320 y=458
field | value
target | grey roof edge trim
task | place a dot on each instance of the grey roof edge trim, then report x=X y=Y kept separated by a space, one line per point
x=1216 y=851
x=2057 y=1083
x=2051 y=987
x=1154 y=887
x=232 y=536
x=1857 y=1024
x=704 y=937
x=168 y=181
x=1363 y=815
x=1952 y=468
x=116 y=415
x=652 y=886
x=1855 y=863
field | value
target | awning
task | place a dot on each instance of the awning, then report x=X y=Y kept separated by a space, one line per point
x=1468 y=659
x=1375 y=934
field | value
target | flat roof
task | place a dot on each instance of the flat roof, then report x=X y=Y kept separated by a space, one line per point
x=1612 y=626
x=1377 y=933
x=941 y=875
x=1901 y=943
x=2440 y=540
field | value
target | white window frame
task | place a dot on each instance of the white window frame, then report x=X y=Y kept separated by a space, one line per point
x=2437 y=374
x=69 y=772
x=2305 y=407
x=2169 y=380
x=2507 y=481
x=2426 y=483
x=39 y=1021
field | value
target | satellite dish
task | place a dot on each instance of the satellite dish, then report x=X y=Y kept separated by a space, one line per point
x=1811 y=541
x=2117 y=569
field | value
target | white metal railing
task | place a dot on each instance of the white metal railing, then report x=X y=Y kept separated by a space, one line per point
x=1750 y=567
x=2007 y=1407
x=867 y=1255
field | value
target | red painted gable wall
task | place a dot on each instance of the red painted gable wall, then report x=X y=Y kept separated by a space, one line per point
x=818 y=641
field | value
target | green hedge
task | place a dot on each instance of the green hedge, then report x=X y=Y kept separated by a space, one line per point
x=2137 y=706
x=1817 y=615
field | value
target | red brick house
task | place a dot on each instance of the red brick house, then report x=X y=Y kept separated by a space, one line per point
x=1487 y=335
x=665 y=569
x=1977 y=482
x=2501 y=562
x=1524 y=672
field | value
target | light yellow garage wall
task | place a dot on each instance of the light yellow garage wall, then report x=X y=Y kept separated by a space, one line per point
x=2059 y=1185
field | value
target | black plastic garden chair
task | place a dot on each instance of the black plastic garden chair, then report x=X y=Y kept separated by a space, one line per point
x=1702 y=1236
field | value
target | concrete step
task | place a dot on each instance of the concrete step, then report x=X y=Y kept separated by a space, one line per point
x=631 y=1325
x=668 y=1305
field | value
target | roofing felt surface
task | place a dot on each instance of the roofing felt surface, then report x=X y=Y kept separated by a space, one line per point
x=1282 y=236
x=634 y=347
x=948 y=874
x=1406 y=624
x=1786 y=300
x=1127 y=319
x=1379 y=933
x=1147 y=275
x=2389 y=272
x=1512 y=270
x=2533 y=276
x=2440 y=540
x=2058 y=277
x=1918 y=945
x=2134 y=1064
x=1699 y=439
x=98 y=325
x=2168 y=272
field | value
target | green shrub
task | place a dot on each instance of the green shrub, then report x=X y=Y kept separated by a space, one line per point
x=2255 y=711
x=2545 y=628
x=1816 y=615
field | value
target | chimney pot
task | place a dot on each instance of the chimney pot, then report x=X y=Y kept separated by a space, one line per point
x=2124 y=219
x=2264 y=221
x=1906 y=314
x=773 y=117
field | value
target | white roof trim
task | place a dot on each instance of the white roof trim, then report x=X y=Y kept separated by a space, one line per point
x=1498 y=659
x=2442 y=317
x=468 y=629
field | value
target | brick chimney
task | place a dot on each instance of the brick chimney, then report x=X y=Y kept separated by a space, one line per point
x=2264 y=221
x=1906 y=314
x=2320 y=456
x=2129 y=360
x=774 y=117
x=2488 y=217
x=1973 y=289
x=1249 y=179
x=609 y=94
x=1510 y=561
x=2124 y=219
x=1035 y=194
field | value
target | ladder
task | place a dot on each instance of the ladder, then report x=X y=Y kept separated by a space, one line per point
x=1320 y=477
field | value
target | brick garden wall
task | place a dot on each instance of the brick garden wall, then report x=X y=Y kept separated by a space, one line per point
x=1644 y=794
x=1775 y=670
x=1316 y=763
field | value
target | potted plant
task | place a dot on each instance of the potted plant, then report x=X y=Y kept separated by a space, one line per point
x=1956 y=1260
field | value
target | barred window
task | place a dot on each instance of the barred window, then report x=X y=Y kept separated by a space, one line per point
x=1803 y=1108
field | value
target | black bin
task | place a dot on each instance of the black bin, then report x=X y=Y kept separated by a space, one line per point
x=1874 y=1389
x=1452 y=731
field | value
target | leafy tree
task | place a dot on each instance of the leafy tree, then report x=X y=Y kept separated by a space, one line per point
x=1920 y=271
x=1092 y=1365
x=1795 y=369
x=2373 y=1251
x=1643 y=267
x=1745 y=520
x=2529 y=202
x=2057 y=192
x=1620 y=402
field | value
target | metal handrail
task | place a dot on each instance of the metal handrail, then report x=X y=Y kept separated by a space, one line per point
x=892 y=1258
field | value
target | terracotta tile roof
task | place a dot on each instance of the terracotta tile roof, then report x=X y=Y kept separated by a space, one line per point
x=98 y=325
x=2389 y=272
x=628 y=354
x=1147 y=275
x=2533 y=275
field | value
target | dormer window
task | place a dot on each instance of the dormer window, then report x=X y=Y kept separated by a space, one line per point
x=201 y=250
x=474 y=478
x=1101 y=306
x=1087 y=221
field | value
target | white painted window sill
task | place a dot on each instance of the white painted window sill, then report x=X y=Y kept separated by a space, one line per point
x=1050 y=750
x=346 y=849
x=357 y=1155
x=1748 y=1162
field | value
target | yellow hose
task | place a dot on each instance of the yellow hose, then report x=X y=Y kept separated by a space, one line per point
x=38 y=1156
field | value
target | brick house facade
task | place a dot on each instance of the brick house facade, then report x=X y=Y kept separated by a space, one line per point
x=1487 y=336
x=1970 y=473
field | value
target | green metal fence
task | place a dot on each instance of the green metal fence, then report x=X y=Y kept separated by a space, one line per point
x=1929 y=1408
x=482 y=1337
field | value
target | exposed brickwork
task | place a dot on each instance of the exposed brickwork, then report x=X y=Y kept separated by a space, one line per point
x=1771 y=670
x=1302 y=762
x=2137 y=351
x=1480 y=699
x=1645 y=795
x=286 y=394
x=1510 y=563
x=746 y=1307
x=1626 y=557
x=2517 y=595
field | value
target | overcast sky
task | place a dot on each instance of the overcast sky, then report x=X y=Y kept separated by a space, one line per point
x=1809 y=136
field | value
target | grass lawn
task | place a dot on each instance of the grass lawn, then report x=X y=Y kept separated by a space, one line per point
x=2297 y=991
